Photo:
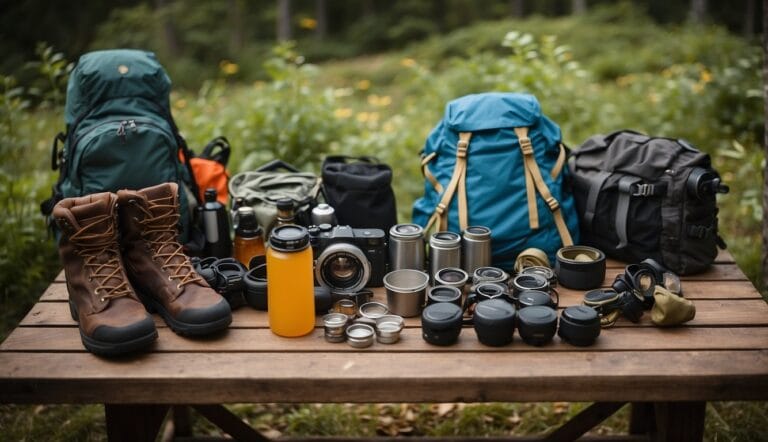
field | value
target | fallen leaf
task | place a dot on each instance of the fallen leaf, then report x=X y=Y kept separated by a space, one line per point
x=560 y=407
x=443 y=409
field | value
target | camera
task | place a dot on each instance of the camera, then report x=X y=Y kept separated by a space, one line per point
x=347 y=259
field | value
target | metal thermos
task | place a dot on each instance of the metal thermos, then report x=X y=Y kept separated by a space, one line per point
x=406 y=247
x=476 y=248
x=323 y=214
x=444 y=251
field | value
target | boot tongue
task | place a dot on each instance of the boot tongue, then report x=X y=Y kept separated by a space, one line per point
x=90 y=215
x=161 y=202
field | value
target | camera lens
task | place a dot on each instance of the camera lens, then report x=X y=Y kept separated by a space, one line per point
x=343 y=267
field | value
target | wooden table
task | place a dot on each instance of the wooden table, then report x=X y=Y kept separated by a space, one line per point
x=667 y=374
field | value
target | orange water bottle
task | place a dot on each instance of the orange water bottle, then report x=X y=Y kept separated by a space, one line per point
x=291 y=300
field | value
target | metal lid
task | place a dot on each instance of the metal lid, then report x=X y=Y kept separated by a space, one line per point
x=406 y=231
x=445 y=239
x=373 y=310
x=289 y=238
x=477 y=233
x=360 y=335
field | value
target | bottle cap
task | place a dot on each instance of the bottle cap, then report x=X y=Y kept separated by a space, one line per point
x=289 y=238
x=284 y=204
x=210 y=195
x=248 y=225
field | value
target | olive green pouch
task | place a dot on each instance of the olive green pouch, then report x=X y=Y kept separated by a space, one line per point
x=671 y=309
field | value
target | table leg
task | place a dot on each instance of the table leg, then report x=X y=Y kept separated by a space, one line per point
x=641 y=418
x=134 y=422
x=677 y=421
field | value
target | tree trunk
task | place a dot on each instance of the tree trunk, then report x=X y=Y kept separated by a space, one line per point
x=749 y=19
x=698 y=11
x=283 y=20
x=578 y=6
x=518 y=8
x=321 y=13
x=169 y=29
x=765 y=147
x=236 y=33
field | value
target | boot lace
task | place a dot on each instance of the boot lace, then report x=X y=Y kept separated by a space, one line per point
x=102 y=259
x=160 y=232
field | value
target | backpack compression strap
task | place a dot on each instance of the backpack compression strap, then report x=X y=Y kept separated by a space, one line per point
x=457 y=180
x=534 y=182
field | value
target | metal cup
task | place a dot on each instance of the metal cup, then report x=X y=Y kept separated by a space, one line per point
x=476 y=248
x=406 y=289
x=406 y=247
x=444 y=251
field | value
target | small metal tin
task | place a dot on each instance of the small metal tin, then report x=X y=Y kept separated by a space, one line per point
x=546 y=272
x=373 y=310
x=345 y=306
x=476 y=248
x=388 y=328
x=335 y=325
x=360 y=335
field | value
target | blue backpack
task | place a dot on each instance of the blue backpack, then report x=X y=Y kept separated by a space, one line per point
x=505 y=163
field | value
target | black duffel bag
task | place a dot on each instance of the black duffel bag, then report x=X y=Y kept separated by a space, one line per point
x=644 y=197
x=360 y=190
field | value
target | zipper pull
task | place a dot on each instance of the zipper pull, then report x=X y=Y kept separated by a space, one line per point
x=132 y=124
x=121 y=129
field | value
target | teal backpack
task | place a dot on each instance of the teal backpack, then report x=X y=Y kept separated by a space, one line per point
x=119 y=131
x=496 y=161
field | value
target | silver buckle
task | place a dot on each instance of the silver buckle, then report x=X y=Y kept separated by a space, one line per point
x=643 y=190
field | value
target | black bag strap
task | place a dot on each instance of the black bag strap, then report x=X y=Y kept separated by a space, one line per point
x=622 y=208
x=595 y=184
x=276 y=165
x=222 y=156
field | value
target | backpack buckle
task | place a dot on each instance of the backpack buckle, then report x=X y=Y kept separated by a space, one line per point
x=552 y=203
x=440 y=208
x=643 y=190
x=526 y=146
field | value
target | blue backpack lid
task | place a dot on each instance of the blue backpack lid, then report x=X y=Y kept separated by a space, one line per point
x=492 y=110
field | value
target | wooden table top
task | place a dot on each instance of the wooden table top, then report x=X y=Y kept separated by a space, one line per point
x=720 y=355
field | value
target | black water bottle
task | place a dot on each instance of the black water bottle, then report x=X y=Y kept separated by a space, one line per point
x=215 y=220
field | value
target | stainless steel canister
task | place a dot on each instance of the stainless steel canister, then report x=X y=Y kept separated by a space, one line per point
x=323 y=214
x=476 y=248
x=406 y=247
x=444 y=251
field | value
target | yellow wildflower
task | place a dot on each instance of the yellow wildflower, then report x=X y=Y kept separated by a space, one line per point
x=228 y=68
x=364 y=85
x=408 y=62
x=180 y=104
x=344 y=112
x=308 y=23
x=705 y=76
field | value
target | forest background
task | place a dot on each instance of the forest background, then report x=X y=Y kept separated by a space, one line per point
x=302 y=79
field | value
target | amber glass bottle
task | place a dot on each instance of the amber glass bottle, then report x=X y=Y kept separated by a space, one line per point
x=248 y=239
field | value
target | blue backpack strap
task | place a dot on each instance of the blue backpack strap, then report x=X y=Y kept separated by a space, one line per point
x=535 y=182
x=440 y=216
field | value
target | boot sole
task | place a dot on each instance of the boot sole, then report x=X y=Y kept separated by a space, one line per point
x=103 y=348
x=185 y=328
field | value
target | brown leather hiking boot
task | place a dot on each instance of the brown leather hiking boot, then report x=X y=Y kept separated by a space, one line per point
x=162 y=275
x=112 y=320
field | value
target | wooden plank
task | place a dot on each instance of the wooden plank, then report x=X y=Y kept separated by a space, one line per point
x=200 y=378
x=709 y=312
x=693 y=289
x=54 y=339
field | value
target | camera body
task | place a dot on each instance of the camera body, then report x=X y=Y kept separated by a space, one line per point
x=347 y=259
